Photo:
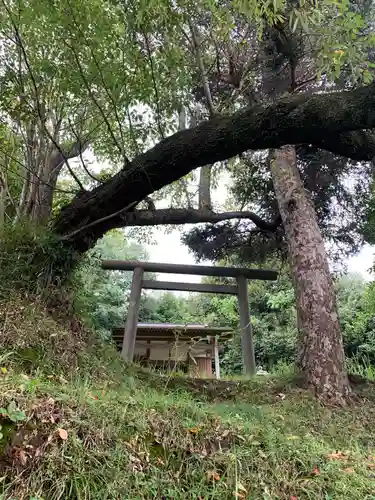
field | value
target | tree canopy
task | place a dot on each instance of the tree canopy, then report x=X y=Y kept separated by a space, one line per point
x=156 y=73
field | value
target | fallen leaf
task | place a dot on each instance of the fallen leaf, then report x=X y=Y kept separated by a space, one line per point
x=315 y=471
x=4 y=370
x=338 y=455
x=194 y=430
x=23 y=457
x=241 y=487
x=293 y=497
x=211 y=474
x=348 y=470
x=238 y=495
x=63 y=434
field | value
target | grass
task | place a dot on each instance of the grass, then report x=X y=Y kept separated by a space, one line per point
x=362 y=368
x=105 y=431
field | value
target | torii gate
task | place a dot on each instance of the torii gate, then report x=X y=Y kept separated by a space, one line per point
x=240 y=289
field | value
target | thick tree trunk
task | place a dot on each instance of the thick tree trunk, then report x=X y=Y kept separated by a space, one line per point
x=321 y=354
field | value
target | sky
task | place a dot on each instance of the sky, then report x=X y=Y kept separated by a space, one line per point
x=362 y=262
x=169 y=249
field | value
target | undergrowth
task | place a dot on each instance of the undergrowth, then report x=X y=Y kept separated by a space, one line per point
x=33 y=260
x=77 y=424
x=31 y=337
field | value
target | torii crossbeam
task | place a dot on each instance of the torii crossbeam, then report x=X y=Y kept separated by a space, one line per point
x=239 y=288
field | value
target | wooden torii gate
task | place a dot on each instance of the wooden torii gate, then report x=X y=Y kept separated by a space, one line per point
x=240 y=289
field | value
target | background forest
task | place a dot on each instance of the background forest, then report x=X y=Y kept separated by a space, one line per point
x=102 y=298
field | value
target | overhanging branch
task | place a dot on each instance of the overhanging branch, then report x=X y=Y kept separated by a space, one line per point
x=176 y=216
x=330 y=121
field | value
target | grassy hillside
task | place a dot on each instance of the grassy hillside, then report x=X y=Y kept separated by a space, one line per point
x=76 y=424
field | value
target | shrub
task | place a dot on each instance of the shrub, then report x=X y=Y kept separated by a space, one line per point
x=33 y=259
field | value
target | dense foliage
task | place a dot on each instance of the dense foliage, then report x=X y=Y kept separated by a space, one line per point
x=102 y=298
x=33 y=260
x=339 y=188
x=275 y=327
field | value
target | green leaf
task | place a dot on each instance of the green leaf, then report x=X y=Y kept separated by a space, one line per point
x=12 y=407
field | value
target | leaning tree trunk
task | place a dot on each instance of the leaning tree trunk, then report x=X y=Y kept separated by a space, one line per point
x=321 y=355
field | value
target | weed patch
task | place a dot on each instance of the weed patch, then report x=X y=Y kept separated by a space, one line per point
x=79 y=424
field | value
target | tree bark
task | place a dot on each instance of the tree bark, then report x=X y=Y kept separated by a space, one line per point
x=178 y=216
x=2 y=202
x=332 y=121
x=43 y=169
x=205 y=188
x=38 y=190
x=42 y=207
x=321 y=355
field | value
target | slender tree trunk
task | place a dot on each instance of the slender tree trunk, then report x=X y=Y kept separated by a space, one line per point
x=37 y=193
x=321 y=355
x=44 y=161
x=205 y=188
x=42 y=207
x=24 y=196
x=2 y=202
x=37 y=197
